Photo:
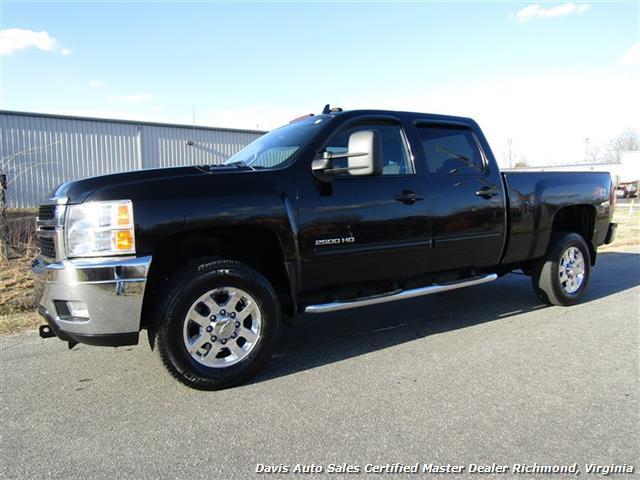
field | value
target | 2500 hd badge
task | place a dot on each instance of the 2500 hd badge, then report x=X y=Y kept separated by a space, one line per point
x=335 y=241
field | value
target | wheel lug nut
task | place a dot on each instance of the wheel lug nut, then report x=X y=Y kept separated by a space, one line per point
x=223 y=341
x=223 y=312
x=237 y=324
x=213 y=338
x=209 y=329
x=212 y=318
x=234 y=335
x=232 y=314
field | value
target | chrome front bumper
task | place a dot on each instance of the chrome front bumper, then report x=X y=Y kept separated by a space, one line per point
x=111 y=288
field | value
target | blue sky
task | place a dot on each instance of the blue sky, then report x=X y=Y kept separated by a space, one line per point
x=548 y=74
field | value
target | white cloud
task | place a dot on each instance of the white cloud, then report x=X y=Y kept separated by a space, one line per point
x=96 y=84
x=632 y=57
x=537 y=11
x=13 y=40
x=138 y=98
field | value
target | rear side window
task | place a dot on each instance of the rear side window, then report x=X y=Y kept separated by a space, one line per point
x=450 y=150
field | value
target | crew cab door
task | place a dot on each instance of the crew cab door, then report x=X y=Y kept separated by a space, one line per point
x=466 y=198
x=355 y=229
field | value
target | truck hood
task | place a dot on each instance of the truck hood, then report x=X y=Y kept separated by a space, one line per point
x=78 y=190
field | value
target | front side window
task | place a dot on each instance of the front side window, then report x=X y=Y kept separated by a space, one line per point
x=395 y=155
x=451 y=150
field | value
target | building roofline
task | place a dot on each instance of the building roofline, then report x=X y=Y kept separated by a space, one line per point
x=129 y=122
x=597 y=164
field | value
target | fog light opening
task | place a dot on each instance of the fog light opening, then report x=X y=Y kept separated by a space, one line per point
x=78 y=309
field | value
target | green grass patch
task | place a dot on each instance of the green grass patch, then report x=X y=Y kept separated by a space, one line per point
x=628 y=233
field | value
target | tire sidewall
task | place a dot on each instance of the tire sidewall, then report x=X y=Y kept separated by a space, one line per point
x=194 y=281
x=563 y=244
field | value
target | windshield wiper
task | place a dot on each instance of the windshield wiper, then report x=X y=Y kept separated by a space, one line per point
x=240 y=163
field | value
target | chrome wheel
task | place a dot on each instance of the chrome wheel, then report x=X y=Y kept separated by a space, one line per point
x=222 y=327
x=571 y=270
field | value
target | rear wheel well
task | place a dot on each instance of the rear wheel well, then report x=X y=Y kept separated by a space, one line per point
x=257 y=247
x=578 y=219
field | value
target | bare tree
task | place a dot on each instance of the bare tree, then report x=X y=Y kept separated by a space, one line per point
x=626 y=141
x=4 y=226
x=510 y=153
x=593 y=153
x=13 y=167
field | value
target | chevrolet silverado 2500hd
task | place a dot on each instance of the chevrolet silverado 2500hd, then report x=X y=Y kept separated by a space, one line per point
x=331 y=212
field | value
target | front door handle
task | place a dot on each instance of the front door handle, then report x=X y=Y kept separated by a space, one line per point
x=408 y=197
x=488 y=192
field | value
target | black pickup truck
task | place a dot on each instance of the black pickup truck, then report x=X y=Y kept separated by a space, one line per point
x=331 y=212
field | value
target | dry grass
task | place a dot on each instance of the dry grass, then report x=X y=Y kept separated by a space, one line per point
x=628 y=233
x=20 y=322
x=16 y=294
x=17 y=303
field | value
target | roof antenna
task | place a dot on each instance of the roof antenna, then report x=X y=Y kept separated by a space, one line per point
x=189 y=142
x=327 y=109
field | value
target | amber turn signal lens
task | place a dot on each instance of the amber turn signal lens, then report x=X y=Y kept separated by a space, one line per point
x=124 y=240
x=123 y=215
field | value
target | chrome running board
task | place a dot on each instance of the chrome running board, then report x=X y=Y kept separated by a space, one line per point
x=398 y=295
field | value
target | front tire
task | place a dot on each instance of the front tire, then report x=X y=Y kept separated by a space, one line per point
x=218 y=325
x=562 y=277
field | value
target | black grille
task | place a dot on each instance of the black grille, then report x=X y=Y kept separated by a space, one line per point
x=46 y=212
x=47 y=247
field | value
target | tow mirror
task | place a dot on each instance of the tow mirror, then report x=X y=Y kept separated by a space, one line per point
x=364 y=156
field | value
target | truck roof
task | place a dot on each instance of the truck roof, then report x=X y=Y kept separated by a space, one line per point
x=404 y=115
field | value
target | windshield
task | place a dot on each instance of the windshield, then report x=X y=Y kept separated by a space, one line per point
x=278 y=146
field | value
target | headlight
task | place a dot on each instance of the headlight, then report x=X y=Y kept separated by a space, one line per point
x=100 y=228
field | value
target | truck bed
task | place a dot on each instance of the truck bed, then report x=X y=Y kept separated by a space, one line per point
x=535 y=198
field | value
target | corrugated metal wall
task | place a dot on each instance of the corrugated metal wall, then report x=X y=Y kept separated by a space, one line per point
x=58 y=148
x=166 y=146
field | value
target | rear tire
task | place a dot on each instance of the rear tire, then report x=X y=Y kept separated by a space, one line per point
x=218 y=325
x=562 y=276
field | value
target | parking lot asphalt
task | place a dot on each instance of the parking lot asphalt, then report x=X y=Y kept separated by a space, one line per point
x=485 y=374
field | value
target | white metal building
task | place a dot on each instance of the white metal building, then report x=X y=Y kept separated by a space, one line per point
x=627 y=170
x=40 y=151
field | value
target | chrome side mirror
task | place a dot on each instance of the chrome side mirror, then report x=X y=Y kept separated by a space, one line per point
x=364 y=154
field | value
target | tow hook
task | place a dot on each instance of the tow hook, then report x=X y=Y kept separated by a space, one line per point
x=46 y=332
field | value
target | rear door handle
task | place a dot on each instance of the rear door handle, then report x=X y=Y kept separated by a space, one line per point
x=408 y=197
x=488 y=192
